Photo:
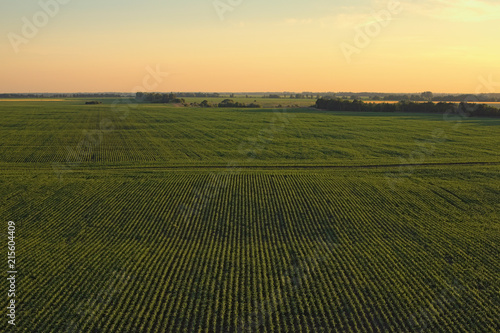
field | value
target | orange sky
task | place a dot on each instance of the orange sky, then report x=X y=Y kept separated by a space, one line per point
x=437 y=45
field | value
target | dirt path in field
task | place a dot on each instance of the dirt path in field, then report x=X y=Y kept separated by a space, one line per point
x=234 y=167
x=271 y=167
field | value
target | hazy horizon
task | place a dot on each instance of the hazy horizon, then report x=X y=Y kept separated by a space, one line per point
x=248 y=92
x=58 y=46
x=233 y=92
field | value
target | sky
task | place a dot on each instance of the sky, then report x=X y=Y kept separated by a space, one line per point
x=442 y=46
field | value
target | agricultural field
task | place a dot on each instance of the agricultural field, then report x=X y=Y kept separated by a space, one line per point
x=154 y=218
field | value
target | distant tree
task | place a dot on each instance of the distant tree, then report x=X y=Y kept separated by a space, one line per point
x=230 y=103
x=469 y=109
x=427 y=95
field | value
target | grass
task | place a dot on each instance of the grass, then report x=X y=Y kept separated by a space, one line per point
x=154 y=224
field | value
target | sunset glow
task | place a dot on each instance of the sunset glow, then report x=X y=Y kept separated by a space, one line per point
x=95 y=46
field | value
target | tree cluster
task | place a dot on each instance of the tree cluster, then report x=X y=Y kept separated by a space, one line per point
x=428 y=96
x=469 y=109
x=158 y=98
x=21 y=96
x=229 y=103
x=423 y=97
x=76 y=95
x=459 y=98
x=198 y=94
x=305 y=95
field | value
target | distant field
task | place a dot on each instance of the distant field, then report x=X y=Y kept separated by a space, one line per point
x=31 y=100
x=264 y=102
x=159 y=218
x=162 y=135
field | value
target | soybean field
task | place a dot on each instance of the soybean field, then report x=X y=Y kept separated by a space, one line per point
x=153 y=218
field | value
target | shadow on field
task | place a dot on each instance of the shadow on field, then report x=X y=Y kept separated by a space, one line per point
x=484 y=121
x=408 y=116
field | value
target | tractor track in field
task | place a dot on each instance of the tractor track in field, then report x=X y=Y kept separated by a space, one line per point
x=97 y=167
x=291 y=167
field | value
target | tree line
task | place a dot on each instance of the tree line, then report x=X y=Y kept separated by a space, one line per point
x=173 y=98
x=158 y=98
x=75 y=95
x=430 y=97
x=198 y=94
x=227 y=103
x=469 y=109
x=292 y=96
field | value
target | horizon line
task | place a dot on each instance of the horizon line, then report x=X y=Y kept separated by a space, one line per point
x=251 y=92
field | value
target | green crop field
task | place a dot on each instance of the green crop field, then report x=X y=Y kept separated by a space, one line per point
x=154 y=218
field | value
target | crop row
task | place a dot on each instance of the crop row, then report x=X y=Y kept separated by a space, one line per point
x=222 y=252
